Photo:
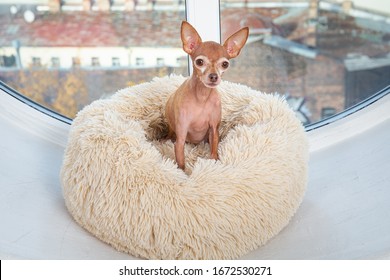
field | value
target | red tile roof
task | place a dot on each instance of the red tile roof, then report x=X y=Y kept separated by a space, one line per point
x=91 y=29
x=162 y=28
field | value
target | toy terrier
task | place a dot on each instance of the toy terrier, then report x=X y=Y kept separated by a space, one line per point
x=193 y=112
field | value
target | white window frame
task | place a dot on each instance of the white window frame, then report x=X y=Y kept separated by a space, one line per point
x=199 y=10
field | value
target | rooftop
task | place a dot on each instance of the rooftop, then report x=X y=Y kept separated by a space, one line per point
x=337 y=34
x=91 y=29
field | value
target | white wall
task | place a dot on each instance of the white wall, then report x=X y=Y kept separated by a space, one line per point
x=127 y=56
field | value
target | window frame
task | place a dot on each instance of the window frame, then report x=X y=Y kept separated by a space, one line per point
x=196 y=11
x=55 y=62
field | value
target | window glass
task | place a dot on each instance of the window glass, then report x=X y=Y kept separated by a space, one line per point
x=324 y=56
x=65 y=54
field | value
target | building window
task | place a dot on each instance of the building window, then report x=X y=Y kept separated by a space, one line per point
x=326 y=112
x=139 y=61
x=160 y=61
x=76 y=61
x=95 y=61
x=116 y=61
x=181 y=61
x=8 y=61
x=36 y=61
x=55 y=62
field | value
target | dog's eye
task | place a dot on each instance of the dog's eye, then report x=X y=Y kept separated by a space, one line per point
x=225 y=64
x=199 y=62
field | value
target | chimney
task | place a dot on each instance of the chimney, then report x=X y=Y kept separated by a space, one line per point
x=103 y=5
x=347 y=6
x=311 y=31
x=313 y=9
x=87 y=5
x=129 y=5
x=54 y=6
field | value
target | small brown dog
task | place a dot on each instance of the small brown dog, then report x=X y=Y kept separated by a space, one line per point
x=193 y=112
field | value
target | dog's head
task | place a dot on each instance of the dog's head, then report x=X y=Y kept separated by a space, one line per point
x=210 y=59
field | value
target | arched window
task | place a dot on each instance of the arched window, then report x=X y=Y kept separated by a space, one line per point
x=324 y=57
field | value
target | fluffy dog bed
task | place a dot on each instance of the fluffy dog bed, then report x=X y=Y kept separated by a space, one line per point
x=120 y=181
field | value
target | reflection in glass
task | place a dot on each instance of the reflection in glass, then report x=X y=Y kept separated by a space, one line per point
x=324 y=56
x=65 y=54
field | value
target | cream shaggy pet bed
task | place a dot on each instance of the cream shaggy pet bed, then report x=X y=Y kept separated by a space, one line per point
x=120 y=181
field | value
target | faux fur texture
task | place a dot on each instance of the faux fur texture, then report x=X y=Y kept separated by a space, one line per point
x=120 y=181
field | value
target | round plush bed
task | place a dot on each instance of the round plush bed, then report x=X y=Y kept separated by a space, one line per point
x=121 y=183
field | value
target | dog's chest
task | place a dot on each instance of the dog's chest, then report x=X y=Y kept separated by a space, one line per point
x=206 y=112
x=202 y=118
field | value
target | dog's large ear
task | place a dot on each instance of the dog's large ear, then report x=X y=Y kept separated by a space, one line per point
x=190 y=38
x=235 y=42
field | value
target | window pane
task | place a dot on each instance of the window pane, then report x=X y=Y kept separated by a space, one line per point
x=323 y=56
x=65 y=54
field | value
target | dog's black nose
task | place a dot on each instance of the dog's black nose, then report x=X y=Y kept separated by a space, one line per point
x=213 y=77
